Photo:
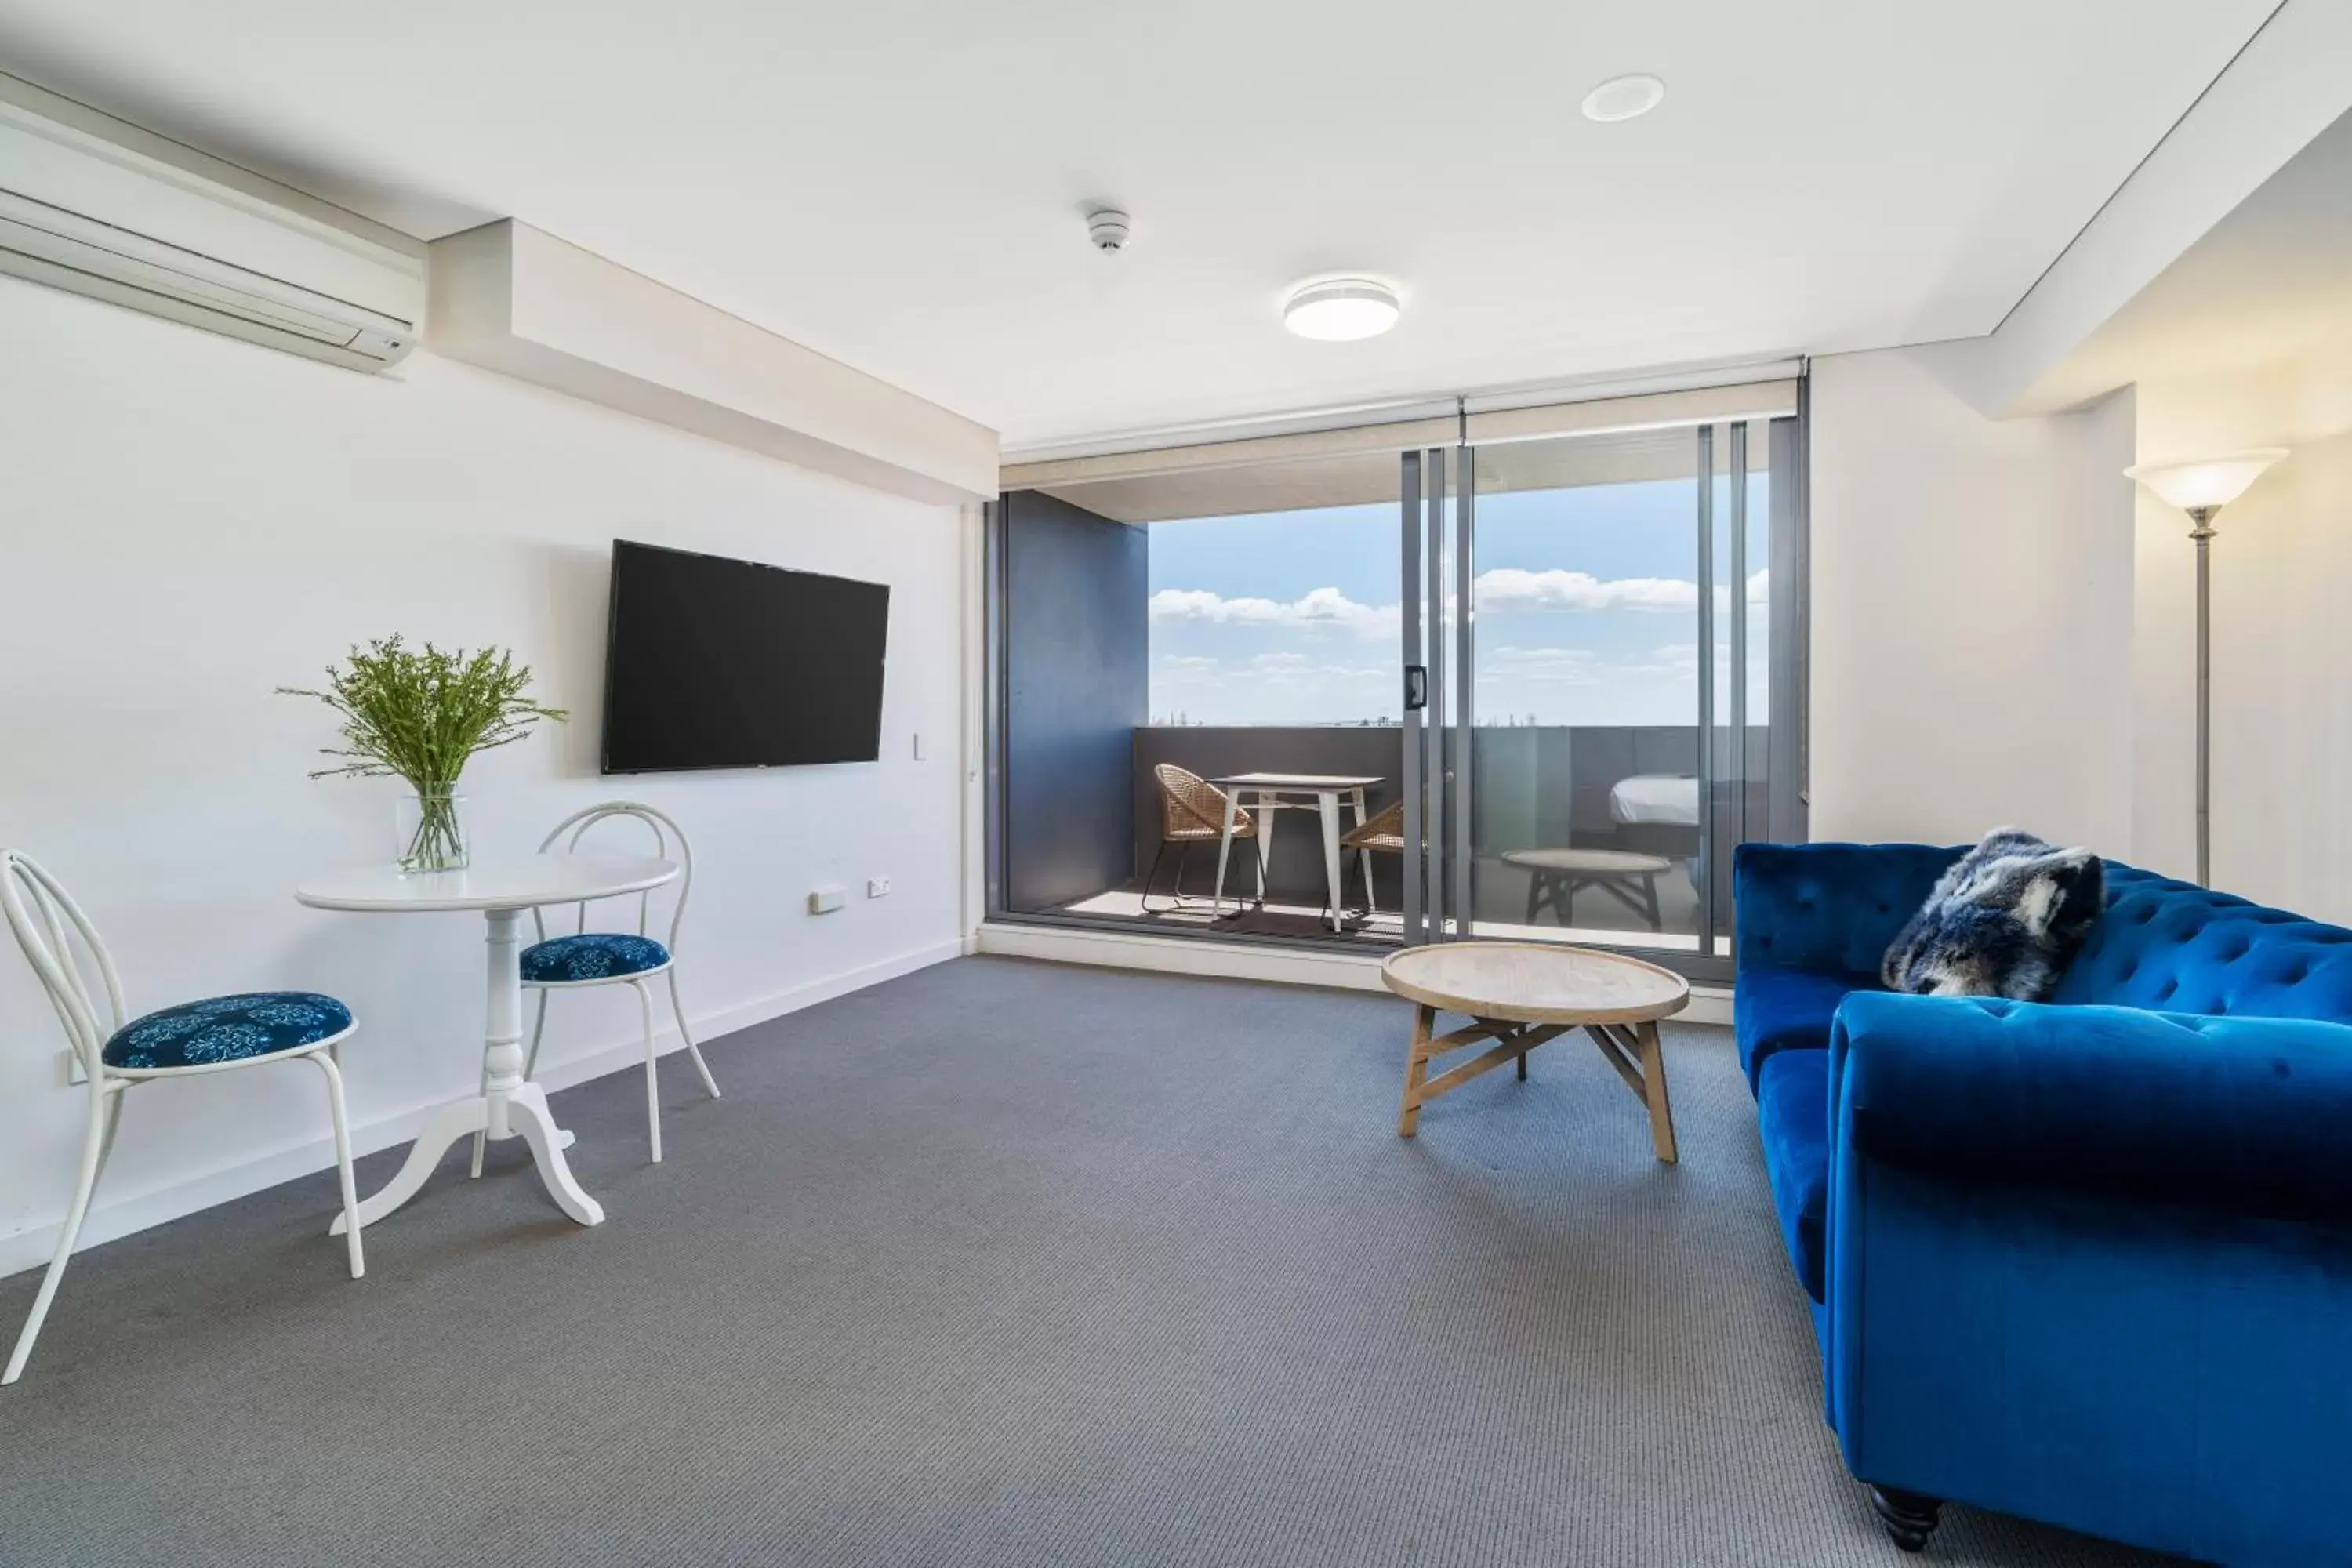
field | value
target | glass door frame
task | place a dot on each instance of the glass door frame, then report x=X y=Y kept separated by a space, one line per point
x=1438 y=651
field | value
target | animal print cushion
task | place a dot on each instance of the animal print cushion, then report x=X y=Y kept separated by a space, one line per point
x=2004 y=921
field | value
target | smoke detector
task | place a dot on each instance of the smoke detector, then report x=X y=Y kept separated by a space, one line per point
x=1108 y=228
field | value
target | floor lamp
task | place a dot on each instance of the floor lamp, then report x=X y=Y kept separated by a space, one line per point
x=2201 y=489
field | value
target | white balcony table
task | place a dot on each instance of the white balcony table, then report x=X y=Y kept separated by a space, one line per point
x=508 y=1105
x=1318 y=793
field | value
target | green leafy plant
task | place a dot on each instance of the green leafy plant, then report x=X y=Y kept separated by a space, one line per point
x=420 y=716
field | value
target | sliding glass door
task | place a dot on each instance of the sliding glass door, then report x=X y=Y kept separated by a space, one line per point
x=1598 y=611
x=1597 y=631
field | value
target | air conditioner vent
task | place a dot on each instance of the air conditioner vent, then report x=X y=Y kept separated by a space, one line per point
x=98 y=207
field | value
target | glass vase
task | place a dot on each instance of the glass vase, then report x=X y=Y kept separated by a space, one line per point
x=429 y=829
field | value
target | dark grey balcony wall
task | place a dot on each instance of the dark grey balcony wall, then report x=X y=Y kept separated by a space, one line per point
x=1076 y=680
x=1539 y=787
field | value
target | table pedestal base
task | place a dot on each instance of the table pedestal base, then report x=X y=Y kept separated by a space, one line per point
x=528 y=1118
x=1632 y=1048
x=510 y=1106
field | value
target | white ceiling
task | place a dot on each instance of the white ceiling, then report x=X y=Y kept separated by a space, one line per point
x=899 y=183
x=2269 y=285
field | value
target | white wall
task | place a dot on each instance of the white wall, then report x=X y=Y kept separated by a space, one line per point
x=2282 y=686
x=1972 y=613
x=187 y=522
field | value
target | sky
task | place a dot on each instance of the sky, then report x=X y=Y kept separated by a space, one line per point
x=1586 y=609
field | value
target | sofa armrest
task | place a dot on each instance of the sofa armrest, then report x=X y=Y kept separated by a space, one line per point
x=1828 y=905
x=2248 y=1114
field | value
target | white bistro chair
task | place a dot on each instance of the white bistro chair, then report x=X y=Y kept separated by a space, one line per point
x=215 y=1035
x=587 y=958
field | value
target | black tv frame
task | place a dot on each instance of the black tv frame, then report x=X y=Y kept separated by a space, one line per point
x=612 y=626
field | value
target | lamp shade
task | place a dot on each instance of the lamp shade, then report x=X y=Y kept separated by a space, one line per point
x=2208 y=482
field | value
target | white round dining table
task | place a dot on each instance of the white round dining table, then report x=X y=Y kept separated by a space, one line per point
x=508 y=1105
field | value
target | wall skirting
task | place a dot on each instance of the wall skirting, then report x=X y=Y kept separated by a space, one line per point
x=123 y=1213
x=1237 y=960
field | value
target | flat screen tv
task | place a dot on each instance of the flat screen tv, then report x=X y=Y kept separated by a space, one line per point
x=714 y=663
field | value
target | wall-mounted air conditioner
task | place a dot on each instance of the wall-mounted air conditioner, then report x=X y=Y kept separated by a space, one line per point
x=94 y=205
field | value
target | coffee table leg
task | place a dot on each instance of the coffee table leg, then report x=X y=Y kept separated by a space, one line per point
x=1654 y=1090
x=1416 y=1071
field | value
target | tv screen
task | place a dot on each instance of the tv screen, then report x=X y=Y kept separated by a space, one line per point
x=714 y=663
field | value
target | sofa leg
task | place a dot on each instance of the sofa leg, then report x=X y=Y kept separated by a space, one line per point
x=1909 y=1517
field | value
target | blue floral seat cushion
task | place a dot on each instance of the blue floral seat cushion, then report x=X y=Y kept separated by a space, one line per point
x=590 y=955
x=226 y=1029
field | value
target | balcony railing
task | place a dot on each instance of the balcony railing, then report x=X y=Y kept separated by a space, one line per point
x=1618 y=787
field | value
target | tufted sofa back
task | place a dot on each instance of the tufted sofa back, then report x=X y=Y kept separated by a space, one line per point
x=1829 y=906
x=2179 y=948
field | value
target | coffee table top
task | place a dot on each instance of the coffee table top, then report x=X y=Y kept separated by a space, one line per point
x=1535 y=982
x=1596 y=862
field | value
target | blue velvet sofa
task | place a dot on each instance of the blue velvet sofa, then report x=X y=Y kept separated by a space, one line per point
x=2087 y=1261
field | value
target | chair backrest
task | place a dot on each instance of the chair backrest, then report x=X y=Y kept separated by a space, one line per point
x=1386 y=823
x=669 y=844
x=50 y=927
x=1189 y=803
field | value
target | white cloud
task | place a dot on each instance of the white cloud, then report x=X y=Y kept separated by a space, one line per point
x=1296 y=668
x=1551 y=666
x=1501 y=591
x=1582 y=667
x=1316 y=609
x=1508 y=588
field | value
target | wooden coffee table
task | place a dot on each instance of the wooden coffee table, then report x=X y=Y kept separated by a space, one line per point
x=1555 y=874
x=1521 y=993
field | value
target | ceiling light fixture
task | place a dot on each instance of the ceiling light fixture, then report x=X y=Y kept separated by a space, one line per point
x=1342 y=310
x=1623 y=98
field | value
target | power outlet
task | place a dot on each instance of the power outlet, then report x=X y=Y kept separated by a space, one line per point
x=878 y=887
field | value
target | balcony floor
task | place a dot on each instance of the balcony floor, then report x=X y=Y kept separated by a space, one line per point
x=1500 y=888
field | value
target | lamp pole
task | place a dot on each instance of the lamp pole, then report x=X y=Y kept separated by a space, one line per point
x=2201 y=489
x=2202 y=517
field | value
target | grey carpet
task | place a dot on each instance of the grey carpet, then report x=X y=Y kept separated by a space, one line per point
x=999 y=1263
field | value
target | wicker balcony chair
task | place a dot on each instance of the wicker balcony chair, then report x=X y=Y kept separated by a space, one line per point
x=1385 y=833
x=1192 y=810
